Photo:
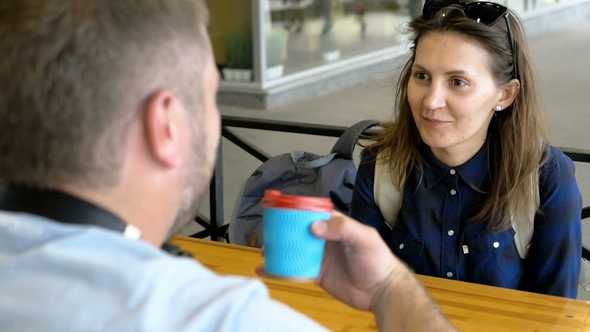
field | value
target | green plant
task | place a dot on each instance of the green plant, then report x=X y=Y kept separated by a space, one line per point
x=238 y=47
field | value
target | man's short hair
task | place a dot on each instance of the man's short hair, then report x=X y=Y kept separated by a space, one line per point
x=74 y=74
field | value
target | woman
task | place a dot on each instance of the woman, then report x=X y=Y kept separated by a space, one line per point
x=469 y=155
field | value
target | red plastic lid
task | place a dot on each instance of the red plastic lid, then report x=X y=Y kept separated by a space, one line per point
x=274 y=199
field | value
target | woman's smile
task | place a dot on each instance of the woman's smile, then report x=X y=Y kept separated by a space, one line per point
x=435 y=122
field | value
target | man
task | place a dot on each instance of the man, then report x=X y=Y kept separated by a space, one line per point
x=109 y=131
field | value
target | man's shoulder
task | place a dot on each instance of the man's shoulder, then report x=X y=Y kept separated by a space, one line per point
x=84 y=251
x=107 y=279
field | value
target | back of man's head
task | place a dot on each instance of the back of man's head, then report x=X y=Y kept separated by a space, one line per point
x=75 y=73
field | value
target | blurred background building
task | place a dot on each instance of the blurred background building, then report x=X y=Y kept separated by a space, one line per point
x=273 y=52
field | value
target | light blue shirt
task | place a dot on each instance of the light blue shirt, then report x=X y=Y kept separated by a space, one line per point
x=57 y=277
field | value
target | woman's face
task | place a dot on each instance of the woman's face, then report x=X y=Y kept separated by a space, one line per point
x=453 y=95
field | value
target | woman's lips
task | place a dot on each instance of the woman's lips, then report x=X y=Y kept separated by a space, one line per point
x=434 y=122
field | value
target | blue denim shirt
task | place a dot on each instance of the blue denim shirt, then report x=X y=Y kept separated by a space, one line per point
x=432 y=236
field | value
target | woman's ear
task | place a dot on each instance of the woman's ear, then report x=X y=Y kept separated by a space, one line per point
x=509 y=93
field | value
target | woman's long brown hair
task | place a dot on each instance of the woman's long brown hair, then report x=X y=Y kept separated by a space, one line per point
x=518 y=133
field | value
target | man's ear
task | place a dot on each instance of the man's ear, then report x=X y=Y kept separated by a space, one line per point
x=511 y=90
x=160 y=122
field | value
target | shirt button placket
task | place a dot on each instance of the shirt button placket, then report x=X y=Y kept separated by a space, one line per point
x=451 y=222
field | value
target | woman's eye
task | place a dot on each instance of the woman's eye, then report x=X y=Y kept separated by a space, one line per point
x=421 y=76
x=458 y=82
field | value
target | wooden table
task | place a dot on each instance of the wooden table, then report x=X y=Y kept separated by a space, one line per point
x=470 y=307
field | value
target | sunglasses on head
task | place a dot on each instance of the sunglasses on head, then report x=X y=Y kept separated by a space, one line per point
x=484 y=12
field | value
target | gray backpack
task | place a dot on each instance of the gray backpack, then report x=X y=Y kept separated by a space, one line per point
x=298 y=173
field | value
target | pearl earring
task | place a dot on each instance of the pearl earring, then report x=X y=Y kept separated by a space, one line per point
x=498 y=108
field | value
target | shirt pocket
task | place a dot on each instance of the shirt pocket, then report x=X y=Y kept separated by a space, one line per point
x=492 y=258
x=404 y=244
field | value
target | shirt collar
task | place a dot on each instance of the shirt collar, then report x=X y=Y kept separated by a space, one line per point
x=63 y=208
x=472 y=172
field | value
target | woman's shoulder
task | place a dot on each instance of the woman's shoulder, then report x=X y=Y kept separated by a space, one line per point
x=369 y=155
x=556 y=163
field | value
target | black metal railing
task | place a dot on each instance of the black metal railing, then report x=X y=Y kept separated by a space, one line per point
x=582 y=156
x=216 y=227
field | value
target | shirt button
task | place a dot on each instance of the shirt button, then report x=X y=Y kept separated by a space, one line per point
x=451 y=232
x=453 y=192
x=452 y=171
x=496 y=244
x=401 y=246
x=450 y=274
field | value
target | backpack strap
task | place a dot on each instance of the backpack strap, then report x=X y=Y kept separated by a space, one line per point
x=297 y=157
x=524 y=223
x=344 y=147
x=388 y=195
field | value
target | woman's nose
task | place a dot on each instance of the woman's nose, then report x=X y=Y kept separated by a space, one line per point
x=435 y=97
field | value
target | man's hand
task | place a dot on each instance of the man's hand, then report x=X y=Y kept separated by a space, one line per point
x=357 y=264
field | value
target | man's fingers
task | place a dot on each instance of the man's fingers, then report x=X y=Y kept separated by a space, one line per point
x=331 y=229
x=340 y=228
x=260 y=270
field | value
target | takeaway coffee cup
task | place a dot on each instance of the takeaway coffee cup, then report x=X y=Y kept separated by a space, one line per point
x=290 y=250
